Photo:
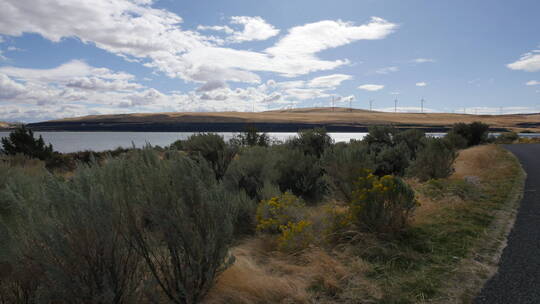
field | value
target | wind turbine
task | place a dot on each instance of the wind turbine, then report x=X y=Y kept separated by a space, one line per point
x=395 y=106
x=371 y=104
x=422 y=105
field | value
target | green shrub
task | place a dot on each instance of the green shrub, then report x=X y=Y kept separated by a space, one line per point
x=392 y=150
x=475 y=133
x=455 y=140
x=392 y=159
x=251 y=170
x=22 y=141
x=507 y=138
x=300 y=173
x=212 y=148
x=435 y=160
x=251 y=137
x=342 y=165
x=382 y=204
x=137 y=229
x=312 y=142
x=412 y=138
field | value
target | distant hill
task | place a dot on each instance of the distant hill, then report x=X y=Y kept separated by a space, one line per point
x=336 y=120
x=7 y=125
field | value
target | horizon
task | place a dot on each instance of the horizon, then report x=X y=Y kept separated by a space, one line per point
x=77 y=58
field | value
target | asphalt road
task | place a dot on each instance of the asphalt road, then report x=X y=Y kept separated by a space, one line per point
x=518 y=278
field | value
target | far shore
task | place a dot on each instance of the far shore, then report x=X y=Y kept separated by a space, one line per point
x=333 y=119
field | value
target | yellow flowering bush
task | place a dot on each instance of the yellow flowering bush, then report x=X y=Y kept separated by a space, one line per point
x=295 y=236
x=337 y=221
x=382 y=204
x=278 y=211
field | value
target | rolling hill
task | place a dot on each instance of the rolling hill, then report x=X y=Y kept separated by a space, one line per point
x=335 y=120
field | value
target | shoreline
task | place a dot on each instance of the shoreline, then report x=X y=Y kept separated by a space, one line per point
x=218 y=127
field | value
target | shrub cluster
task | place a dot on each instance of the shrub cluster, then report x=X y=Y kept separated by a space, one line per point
x=145 y=225
x=210 y=147
x=467 y=135
x=434 y=160
x=136 y=229
x=382 y=204
x=392 y=151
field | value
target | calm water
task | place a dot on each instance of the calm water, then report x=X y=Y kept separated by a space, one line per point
x=99 y=141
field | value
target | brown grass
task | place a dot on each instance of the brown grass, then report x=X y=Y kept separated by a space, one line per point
x=475 y=161
x=263 y=275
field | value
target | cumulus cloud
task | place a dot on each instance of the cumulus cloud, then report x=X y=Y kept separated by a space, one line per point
x=76 y=88
x=212 y=85
x=533 y=83
x=421 y=84
x=371 y=87
x=387 y=70
x=134 y=29
x=529 y=62
x=9 y=88
x=255 y=28
x=328 y=81
x=312 y=38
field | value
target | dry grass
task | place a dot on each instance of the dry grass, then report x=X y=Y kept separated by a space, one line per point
x=263 y=275
x=475 y=161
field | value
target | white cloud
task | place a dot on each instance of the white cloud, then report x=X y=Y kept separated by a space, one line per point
x=371 y=87
x=387 y=70
x=423 y=60
x=305 y=94
x=135 y=30
x=216 y=28
x=76 y=88
x=312 y=38
x=255 y=28
x=10 y=88
x=533 y=83
x=529 y=62
x=421 y=84
x=328 y=81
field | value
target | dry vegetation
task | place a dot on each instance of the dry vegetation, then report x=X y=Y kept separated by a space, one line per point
x=340 y=116
x=6 y=125
x=453 y=219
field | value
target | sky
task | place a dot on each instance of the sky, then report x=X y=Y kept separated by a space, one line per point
x=65 y=58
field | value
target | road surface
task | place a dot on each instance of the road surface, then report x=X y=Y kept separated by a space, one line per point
x=518 y=278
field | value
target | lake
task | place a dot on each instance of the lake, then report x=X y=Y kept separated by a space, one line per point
x=67 y=142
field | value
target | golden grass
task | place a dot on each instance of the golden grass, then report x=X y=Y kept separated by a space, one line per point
x=475 y=161
x=263 y=275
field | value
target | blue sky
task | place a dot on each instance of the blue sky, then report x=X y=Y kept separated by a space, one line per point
x=61 y=58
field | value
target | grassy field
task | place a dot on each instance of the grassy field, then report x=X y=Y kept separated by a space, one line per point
x=450 y=250
x=338 y=116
